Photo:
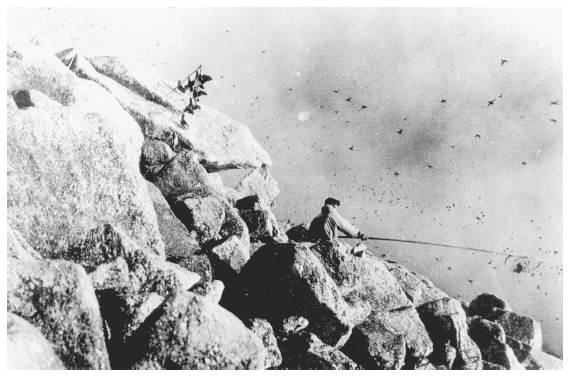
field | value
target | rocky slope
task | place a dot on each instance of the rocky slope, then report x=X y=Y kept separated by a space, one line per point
x=126 y=250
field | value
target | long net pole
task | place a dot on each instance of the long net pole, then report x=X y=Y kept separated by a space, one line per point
x=442 y=245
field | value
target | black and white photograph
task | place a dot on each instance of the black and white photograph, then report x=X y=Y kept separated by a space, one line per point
x=292 y=187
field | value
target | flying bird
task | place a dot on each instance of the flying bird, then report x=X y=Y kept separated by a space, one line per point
x=363 y=107
x=348 y=99
x=503 y=61
x=470 y=280
x=492 y=102
x=524 y=163
x=553 y=120
x=336 y=91
x=449 y=268
x=479 y=136
x=396 y=174
x=501 y=95
x=336 y=111
x=443 y=101
x=429 y=166
x=263 y=52
x=351 y=148
x=554 y=102
x=400 y=132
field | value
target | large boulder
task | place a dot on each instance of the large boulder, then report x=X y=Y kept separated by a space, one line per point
x=367 y=277
x=491 y=340
x=284 y=280
x=305 y=351
x=221 y=142
x=299 y=233
x=73 y=159
x=155 y=154
x=123 y=315
x=372 y=346
x=58 y=298
x=264 y=331
x=261 y=222
x=27 y=348
x=484 y=304
x=446 y=323
x=418 y=288
x=262 y=226
x=184 y=174
x=234 y=225
x=259 y=182
x=388 y=340
x=144 y=272
x=201 y=335
x=198 y=263
x=202 y=216
x=232 y=252
x=178 y=242
x=518 y=326
x=531 y=358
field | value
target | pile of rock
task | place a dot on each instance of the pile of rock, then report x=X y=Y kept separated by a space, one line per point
x=126 y=250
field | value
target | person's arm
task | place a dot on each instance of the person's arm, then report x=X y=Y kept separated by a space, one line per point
x=346 y=227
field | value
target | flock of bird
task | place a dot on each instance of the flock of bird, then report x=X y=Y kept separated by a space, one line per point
x=364 y=189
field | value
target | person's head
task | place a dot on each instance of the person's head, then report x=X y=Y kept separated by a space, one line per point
x=331 y=201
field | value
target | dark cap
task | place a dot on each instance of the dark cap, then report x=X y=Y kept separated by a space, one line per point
x=332 y=201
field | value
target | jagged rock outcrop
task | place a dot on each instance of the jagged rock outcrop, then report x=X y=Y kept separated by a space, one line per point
x=144 y=272
x=202 y=216
x=27 y=348
x=124 y=314
x=283 y=280
x=201 y=334
x=259 y=182
x=305 y=350
x=178 y=242
x=221 y=142
x=199 y=264
x=73 y=161
x=261 y=222
x=491 y=340
x=299 y=233
x=418 y=288
x=531 y=358
x=446 y=323
x=232 y=252
x=155 y=154
x=183 y=175
x=368 y=278
x=484 y=304
x=385 y=340
x=518 y=326
x=234 y=225
x=58 y=298
x=264 y=331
